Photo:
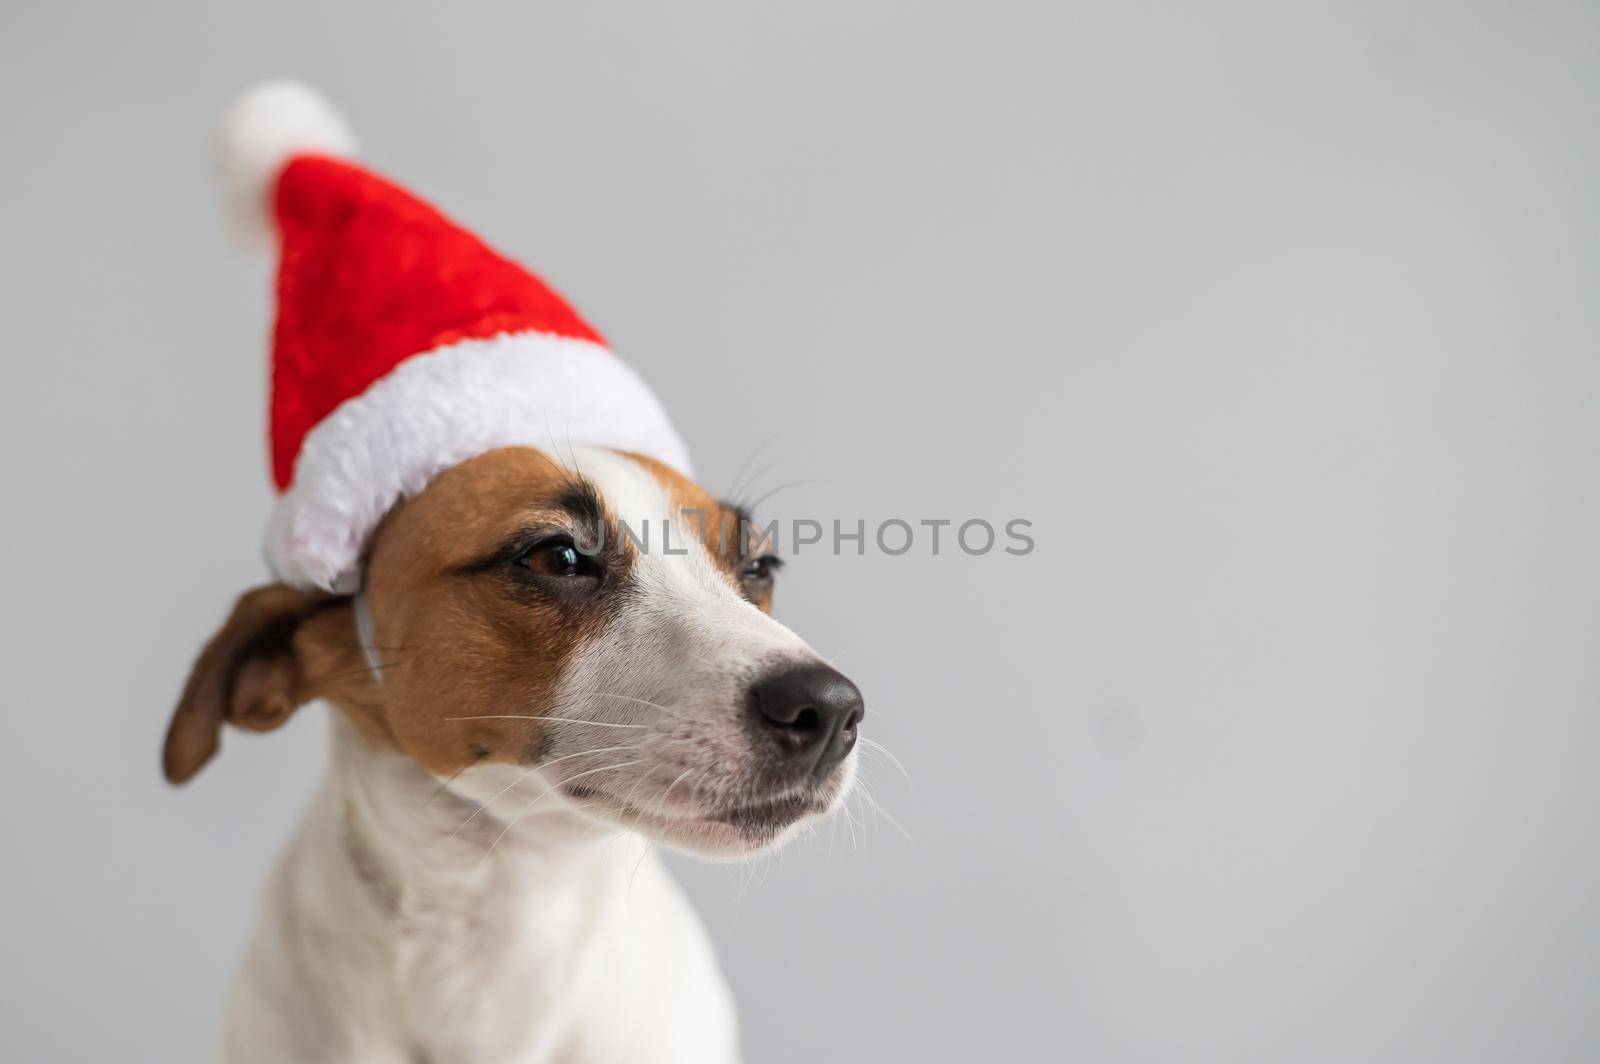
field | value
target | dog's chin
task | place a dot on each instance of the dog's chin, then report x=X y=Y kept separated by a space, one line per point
x=731 y=832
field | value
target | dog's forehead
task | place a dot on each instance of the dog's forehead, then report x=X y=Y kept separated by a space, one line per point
x=673 y=526
x=630 y=489
x=470 y=508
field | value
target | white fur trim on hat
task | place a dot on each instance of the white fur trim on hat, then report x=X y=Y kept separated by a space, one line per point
x=261 y=132
x=439 y=409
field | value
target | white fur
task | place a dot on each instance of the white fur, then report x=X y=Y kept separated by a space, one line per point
x=386 y=937
x=436 y=410
x=262 y=131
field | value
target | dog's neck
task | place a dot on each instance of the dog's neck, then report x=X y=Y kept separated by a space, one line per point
x=451 y=942
x=412 y=837
x=414 y=843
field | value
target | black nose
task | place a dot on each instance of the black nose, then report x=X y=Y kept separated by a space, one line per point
x=811 y=711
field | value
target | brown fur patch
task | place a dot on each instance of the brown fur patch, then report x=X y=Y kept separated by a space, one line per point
x=468 y=643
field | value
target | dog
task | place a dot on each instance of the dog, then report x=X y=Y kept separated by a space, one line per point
x=526 y=695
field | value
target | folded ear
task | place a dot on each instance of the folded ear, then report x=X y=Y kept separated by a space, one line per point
x=250 y=674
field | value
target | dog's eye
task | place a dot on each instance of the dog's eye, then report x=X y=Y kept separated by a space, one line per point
x=760 y=570
x=558 y=557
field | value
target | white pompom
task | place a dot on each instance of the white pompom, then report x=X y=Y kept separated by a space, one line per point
x=263 y=130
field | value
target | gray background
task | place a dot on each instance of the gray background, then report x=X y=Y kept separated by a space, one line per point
x=1278 y=322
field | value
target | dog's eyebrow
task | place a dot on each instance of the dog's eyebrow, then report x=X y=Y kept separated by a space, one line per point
x=580 y=499
x=742 y=520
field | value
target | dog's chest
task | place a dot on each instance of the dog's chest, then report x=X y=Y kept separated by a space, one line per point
x=501 y=974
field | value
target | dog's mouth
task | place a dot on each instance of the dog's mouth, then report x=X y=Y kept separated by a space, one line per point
x=757 y=822
x=763 y=817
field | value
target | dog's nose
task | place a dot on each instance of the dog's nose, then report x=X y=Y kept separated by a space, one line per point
x=811 y=711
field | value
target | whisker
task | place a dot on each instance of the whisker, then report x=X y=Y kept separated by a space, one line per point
x=871 y=744
x=879 y=810
x=625 y=698
x=317 y=689
x=668 y=792
x=531 y=771
x=525 y=716
x=626 y=799
x=752 y=480
x=572 y=452
x=781 y=487
x=561 y=783
x=447 y=782
x=637 y=865
x=850 y=821
x=555 y=448
x=738 y=476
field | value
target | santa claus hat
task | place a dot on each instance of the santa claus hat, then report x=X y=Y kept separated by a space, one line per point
x=404 y=345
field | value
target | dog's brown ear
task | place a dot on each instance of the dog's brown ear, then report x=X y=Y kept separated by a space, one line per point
x=249 y=675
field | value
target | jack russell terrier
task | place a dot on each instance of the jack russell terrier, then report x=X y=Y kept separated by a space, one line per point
x=527 y=692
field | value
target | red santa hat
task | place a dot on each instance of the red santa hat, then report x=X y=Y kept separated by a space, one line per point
x=404 y=345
